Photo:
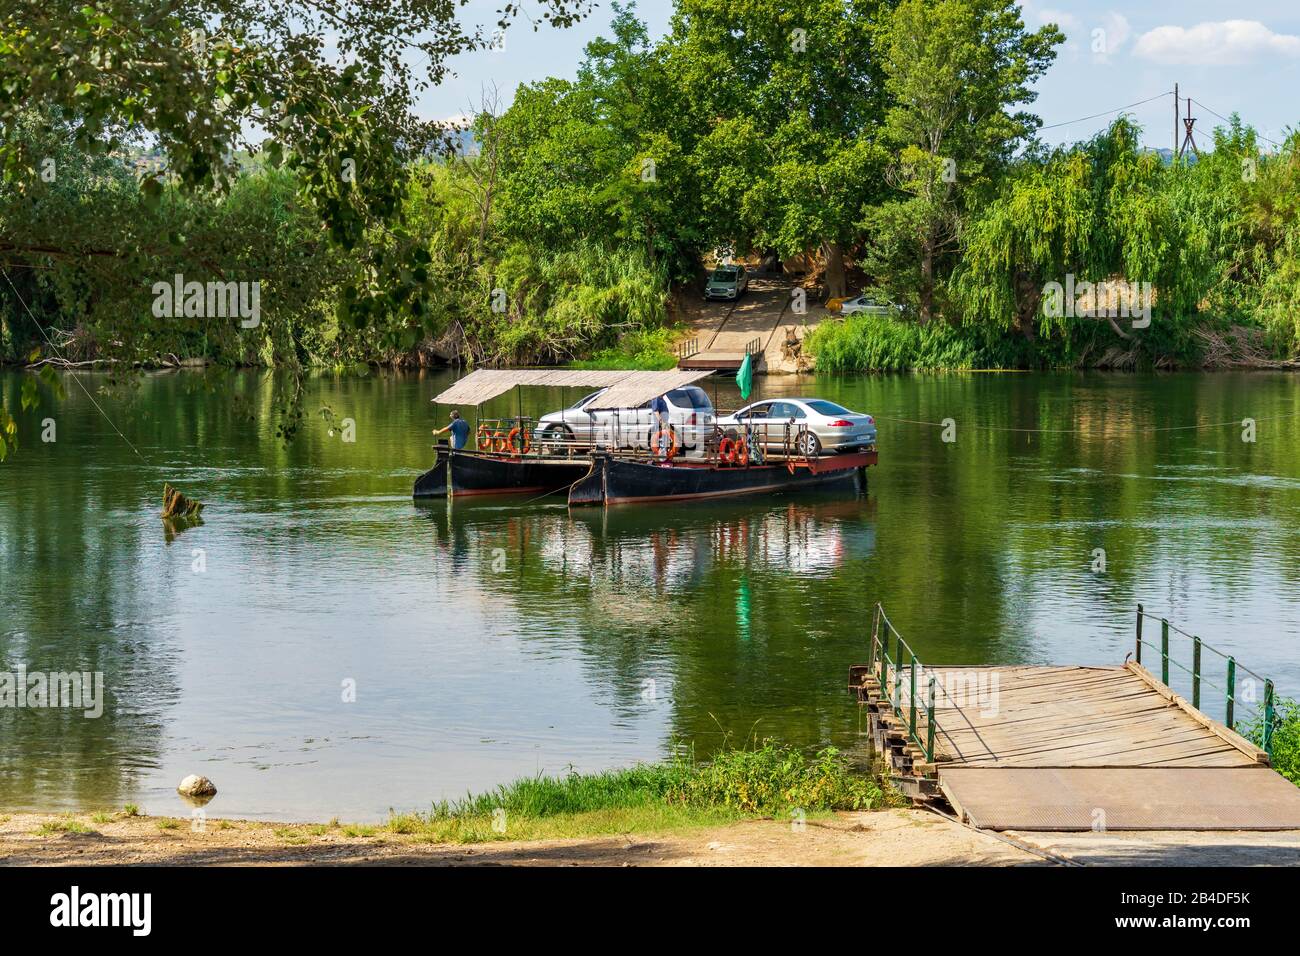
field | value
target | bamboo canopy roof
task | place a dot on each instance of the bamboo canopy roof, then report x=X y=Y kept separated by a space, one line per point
x=624 y=389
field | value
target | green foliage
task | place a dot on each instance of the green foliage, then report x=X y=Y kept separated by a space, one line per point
x=1286 y=738
x=767 y=779
x=650 y=350
x=775 y=780
x=861 y=343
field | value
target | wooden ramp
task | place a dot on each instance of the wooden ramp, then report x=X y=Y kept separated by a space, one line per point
x=1111 y=798
x=1075 y=717
x=1065 y=748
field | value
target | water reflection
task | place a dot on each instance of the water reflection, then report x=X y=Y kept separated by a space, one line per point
x=494 y=638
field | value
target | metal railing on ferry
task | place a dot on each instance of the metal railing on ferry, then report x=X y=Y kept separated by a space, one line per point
x=753 y=443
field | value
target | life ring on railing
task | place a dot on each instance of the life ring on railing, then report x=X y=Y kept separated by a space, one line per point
x=483 y=438
x=672 y=440
x=740 y=452
x=726 y=451
x=513 y=446
x=498 y=441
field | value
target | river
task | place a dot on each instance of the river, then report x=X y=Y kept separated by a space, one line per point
x=322 y=646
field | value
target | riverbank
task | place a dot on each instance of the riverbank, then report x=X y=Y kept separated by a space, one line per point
x=893 y=837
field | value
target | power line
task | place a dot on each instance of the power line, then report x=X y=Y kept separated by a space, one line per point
x=1118 y=109
x=1226 y=120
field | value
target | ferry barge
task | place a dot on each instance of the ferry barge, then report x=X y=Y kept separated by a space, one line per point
x=505 y=460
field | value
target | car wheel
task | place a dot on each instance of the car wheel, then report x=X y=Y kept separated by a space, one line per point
x=557 y=438
x=808 y=444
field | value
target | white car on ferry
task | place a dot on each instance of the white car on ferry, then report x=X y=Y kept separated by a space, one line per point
x=815 y=425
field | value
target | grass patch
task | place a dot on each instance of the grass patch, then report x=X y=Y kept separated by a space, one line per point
x=356 y=830
x=62 y=825
x=103 y=816
x=768 y=781
x=167 y=824
x=130 y=810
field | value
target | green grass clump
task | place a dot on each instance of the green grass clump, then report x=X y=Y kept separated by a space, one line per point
x=878 y=343
x=644 y=350
x=63 y=825
x=1286 y=738
x=130 y=810
x=768 y=780
x=773 y=780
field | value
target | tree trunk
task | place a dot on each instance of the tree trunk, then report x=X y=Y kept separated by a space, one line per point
x=927 y=280
x=835 y=282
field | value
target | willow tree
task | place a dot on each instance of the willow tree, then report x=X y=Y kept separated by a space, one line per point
x=955 y=72
x=1104 y=211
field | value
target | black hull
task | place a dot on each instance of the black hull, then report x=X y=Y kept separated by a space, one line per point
x=615 y=481
x=457 y=474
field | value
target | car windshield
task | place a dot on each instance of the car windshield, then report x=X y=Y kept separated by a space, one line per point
x=725 y=275
x=823 y=407
x=691 y=396
x=583 y=401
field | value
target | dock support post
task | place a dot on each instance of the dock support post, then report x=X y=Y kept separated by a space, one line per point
x=1232 y=690
x=929 y=724
x=1196 y=672
x=1164 y=652
x=912 y=700
x=875 y=632
x=1137 y=651
x=1268 y=719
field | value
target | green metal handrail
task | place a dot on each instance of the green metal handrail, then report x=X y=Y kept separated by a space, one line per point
x=1269 y=709
x=894 y=666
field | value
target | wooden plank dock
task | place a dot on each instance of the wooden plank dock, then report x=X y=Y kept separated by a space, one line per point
x=1065 y=747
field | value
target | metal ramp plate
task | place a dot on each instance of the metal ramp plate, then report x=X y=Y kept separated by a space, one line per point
x=1122 y=798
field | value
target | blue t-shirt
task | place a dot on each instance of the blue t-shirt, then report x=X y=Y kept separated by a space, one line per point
x=459 y=433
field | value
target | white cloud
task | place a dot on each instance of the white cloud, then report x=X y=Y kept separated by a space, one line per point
x=1117 y=30
x=1068 y=22
x=1223 y=43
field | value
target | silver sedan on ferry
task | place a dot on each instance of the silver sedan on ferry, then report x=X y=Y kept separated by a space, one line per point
x=815 y=425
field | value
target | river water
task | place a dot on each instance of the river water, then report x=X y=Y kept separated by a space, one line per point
x=321 y=645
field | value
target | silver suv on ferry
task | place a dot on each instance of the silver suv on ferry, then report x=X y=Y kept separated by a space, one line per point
x=690 y=418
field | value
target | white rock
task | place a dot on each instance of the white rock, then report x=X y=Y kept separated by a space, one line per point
x=197 y=786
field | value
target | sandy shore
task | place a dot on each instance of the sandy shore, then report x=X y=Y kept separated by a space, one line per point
x=879 y=838
x=887 y=837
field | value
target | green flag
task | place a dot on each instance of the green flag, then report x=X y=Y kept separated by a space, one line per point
x=745 y=377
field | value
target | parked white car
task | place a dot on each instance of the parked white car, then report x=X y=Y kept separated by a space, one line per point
x=690 y=417
x=825 y=425
x=727 y=282
x=868 y=305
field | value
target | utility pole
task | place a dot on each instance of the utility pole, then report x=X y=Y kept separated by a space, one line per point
x=1188 y=140
x=1175 y=121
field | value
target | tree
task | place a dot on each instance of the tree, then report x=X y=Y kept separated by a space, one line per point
x=786 y=100
x=204 y=79
x=954 y=71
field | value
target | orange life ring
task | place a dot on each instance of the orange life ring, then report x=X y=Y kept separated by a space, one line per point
x=789 y=465
x=672 y=446
x=740 y=452
x=513 y=446
x=498 y=441
x=727 y=451
x=483 y=438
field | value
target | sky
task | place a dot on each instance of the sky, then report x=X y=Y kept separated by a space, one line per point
x=1243 y=56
